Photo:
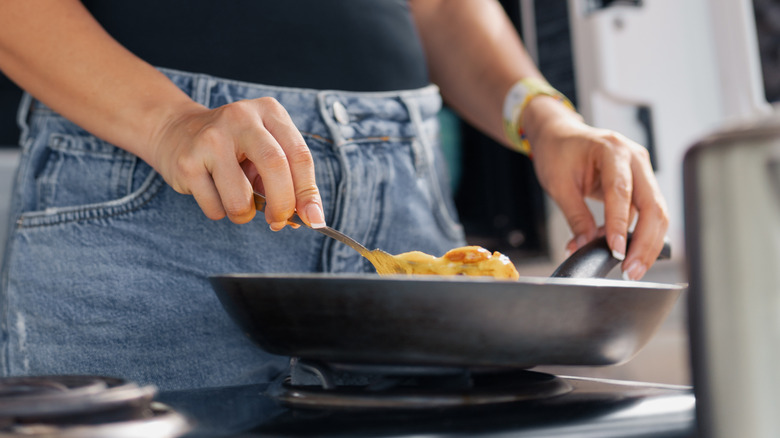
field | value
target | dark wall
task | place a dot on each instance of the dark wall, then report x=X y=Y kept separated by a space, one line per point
x=768 y=28
x=499 y=198
x=9 y=99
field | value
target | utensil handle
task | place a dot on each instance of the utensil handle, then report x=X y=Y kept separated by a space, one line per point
x=595 y=260
x=343 y=238
x=296 y=221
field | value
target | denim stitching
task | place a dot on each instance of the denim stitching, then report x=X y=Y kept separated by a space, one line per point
x=382 y=139
x=419 y=145
x=93 y=147
x=57 y=216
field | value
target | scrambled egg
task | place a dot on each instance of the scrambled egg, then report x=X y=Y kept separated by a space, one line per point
x=466 y=260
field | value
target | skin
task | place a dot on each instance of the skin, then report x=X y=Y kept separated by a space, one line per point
x=55 y=50
x=475 y=56
x=49 y=47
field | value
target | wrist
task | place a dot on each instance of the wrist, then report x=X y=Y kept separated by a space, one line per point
x=541 y=114
x=162 y=120
x=530 y=103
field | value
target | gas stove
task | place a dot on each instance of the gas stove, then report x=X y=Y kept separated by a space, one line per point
x=84 y=407
x=340 y=400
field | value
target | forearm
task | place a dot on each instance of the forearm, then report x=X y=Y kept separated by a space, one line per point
x=56 y=51
x=474 y=56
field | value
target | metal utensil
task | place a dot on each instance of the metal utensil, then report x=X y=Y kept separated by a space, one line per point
x=384 y=262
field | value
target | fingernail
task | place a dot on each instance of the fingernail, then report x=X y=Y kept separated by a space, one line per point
x=619 y=247
x=635 y=271
x=581 y=240
x=276 y=226
x=315 y=216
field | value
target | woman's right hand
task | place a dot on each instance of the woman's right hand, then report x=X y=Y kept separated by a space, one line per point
x=221 y=155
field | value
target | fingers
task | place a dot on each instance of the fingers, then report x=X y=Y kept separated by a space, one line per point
x=234 y=190
x=273 y=170
x=222 y=155
x=576 y=162
x=630 y=190
x=253 y=176
x=301 y=168
x=652 y=223
x=207 y=197
x=579 y=218
x=617 y=186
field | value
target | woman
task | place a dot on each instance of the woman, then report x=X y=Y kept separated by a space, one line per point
x=107 y=264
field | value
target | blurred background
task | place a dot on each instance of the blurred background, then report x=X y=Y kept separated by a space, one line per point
x=662 y=72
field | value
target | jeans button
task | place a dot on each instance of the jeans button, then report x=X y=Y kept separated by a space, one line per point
x=340 y=112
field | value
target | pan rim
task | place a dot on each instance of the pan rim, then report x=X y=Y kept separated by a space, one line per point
x=434 y=279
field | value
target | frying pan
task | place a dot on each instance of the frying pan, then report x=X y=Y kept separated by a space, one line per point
x=433 y=321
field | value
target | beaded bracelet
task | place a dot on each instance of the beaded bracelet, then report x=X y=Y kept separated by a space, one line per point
x=515 y=102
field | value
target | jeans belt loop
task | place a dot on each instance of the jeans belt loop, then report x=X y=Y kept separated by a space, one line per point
x=421 y=146
x=23 y=116
x=325 y=103
x=201 y=89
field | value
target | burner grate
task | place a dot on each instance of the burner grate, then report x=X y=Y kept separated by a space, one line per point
x=71 y=400
x=347 y=386
x=84 y=407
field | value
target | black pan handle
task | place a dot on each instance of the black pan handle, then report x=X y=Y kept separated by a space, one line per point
x=594 y=260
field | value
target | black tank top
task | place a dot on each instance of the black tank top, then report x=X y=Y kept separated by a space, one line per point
x=357 y=45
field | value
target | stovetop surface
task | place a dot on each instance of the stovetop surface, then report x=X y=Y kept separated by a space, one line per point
x=594 y=408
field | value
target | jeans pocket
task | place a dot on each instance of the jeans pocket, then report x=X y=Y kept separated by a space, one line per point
x=78 y=177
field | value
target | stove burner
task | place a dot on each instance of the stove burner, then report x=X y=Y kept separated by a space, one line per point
x=71 y=398
x=161 y=422
x=346 y=386
x=80 y=406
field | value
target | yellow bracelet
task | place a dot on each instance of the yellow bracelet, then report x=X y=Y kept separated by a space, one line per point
x=515 y=102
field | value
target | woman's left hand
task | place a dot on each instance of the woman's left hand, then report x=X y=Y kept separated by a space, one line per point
x=574 y=161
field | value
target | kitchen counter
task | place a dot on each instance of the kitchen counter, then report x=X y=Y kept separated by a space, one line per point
x=594 y=408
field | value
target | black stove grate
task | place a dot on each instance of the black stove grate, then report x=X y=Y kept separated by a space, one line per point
x=345 y=386
x=71 y=400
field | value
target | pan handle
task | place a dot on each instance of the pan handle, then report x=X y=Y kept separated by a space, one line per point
x=594 y=260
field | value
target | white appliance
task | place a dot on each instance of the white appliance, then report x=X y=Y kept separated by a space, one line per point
x=664 y=72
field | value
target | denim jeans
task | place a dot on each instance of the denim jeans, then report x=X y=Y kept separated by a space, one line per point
x=106 y=268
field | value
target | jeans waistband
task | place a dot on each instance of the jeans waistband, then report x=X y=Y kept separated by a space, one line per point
x=338 y=116
x=341 y=116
